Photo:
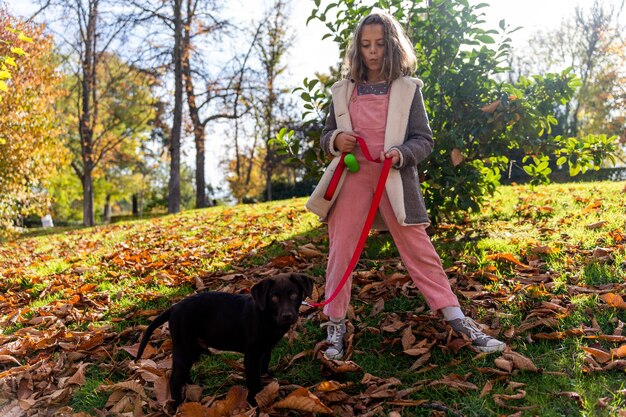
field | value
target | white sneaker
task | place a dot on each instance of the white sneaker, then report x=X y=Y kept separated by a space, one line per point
x=335 y=333
x=480 y=340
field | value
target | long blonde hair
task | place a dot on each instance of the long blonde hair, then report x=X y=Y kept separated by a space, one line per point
x=399 y=59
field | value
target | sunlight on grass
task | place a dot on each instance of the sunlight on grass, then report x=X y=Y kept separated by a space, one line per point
x=548 y=234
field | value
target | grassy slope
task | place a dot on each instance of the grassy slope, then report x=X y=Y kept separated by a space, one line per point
x=146 y=265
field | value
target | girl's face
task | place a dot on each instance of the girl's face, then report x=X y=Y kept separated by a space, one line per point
x=372 y=47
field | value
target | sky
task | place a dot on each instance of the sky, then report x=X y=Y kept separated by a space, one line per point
x=311 y=54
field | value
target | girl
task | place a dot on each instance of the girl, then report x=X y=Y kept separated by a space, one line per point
x=379 y=102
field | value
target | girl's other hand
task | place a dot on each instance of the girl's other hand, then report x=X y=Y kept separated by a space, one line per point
x=394 y=154
x=345 y=141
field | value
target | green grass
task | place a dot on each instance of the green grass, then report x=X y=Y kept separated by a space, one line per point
x=133 y=267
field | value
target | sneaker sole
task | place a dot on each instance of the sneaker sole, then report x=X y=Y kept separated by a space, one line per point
x=491 y=349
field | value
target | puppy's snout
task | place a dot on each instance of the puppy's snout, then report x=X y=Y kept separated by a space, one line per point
x=287 y=317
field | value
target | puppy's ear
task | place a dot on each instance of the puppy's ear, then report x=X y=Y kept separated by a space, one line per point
x=304 y=282
x=259 y=292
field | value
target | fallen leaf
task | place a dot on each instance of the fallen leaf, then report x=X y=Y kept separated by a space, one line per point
x=597 y=225
x=302 y=400
x=504 y=364
x=614 y=300
x=572 y=395
x=79 y=377
x=329 y=386
x=234 y=402
x=8 y=358
x=486 y=389
x=520 y=361
x=454 y=381
x=599 y=355
x=191 y=410
x=408 y=338
x=267 y=395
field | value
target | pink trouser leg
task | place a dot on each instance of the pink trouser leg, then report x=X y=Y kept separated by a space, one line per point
x=420 y=259
x=345 y=222
x=416 y=250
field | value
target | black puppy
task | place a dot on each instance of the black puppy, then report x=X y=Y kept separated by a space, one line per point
x=251 y=324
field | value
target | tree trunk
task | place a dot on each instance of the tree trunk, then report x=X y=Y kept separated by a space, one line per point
x=194 y=115
x=88 y=209
x=107 y=209
x=174 y=181
x=88 y=113
x=135 y=202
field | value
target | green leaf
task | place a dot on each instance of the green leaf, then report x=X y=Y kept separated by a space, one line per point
x=485 y=39
x=562 y=160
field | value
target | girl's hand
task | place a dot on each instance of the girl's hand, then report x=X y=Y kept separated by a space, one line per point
x=394 y=154
x=345 y=141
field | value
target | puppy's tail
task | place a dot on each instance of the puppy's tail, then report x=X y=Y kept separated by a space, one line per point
x=162 y=318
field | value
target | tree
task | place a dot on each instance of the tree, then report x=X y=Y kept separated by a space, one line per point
x=7 y=60
x=30 y=151
x=217 y=95
x=90 y=32
x=590 y=43
x=474 y=116
x=269 y=104
x=123 y=99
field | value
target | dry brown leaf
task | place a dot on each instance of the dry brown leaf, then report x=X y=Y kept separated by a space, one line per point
x=420 y=361
x=520 y=361
x=572 y=395
x=267 y=395
x=8 y=358
x=79 y=377
x=501 y=400
x=619 y=352
x=191 y=410
x=302 y=400
x=598 y=354
x=235 y=401
x=378 y=307
x=486 y=389
x=408 y=338
x=193 y=393
x=329 y=386
x=162 y=389
x=597 y=225
x=507 y=257
x=504 y=364
x=454 y=381
x=309 y=251
x=125 y=386
x=338 y=366
x=614 y=300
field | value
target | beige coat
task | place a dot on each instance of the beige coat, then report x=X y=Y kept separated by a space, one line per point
x=407 y=130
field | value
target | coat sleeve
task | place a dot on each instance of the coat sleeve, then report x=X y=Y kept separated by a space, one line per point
x=329 y=133
x=418 y=143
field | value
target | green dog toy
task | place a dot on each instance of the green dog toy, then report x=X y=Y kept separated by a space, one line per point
x=351 y=163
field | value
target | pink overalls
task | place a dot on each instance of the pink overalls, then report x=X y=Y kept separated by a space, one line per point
x=368 y=114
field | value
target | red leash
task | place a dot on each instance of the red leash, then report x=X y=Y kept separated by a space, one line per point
x=380 y=188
